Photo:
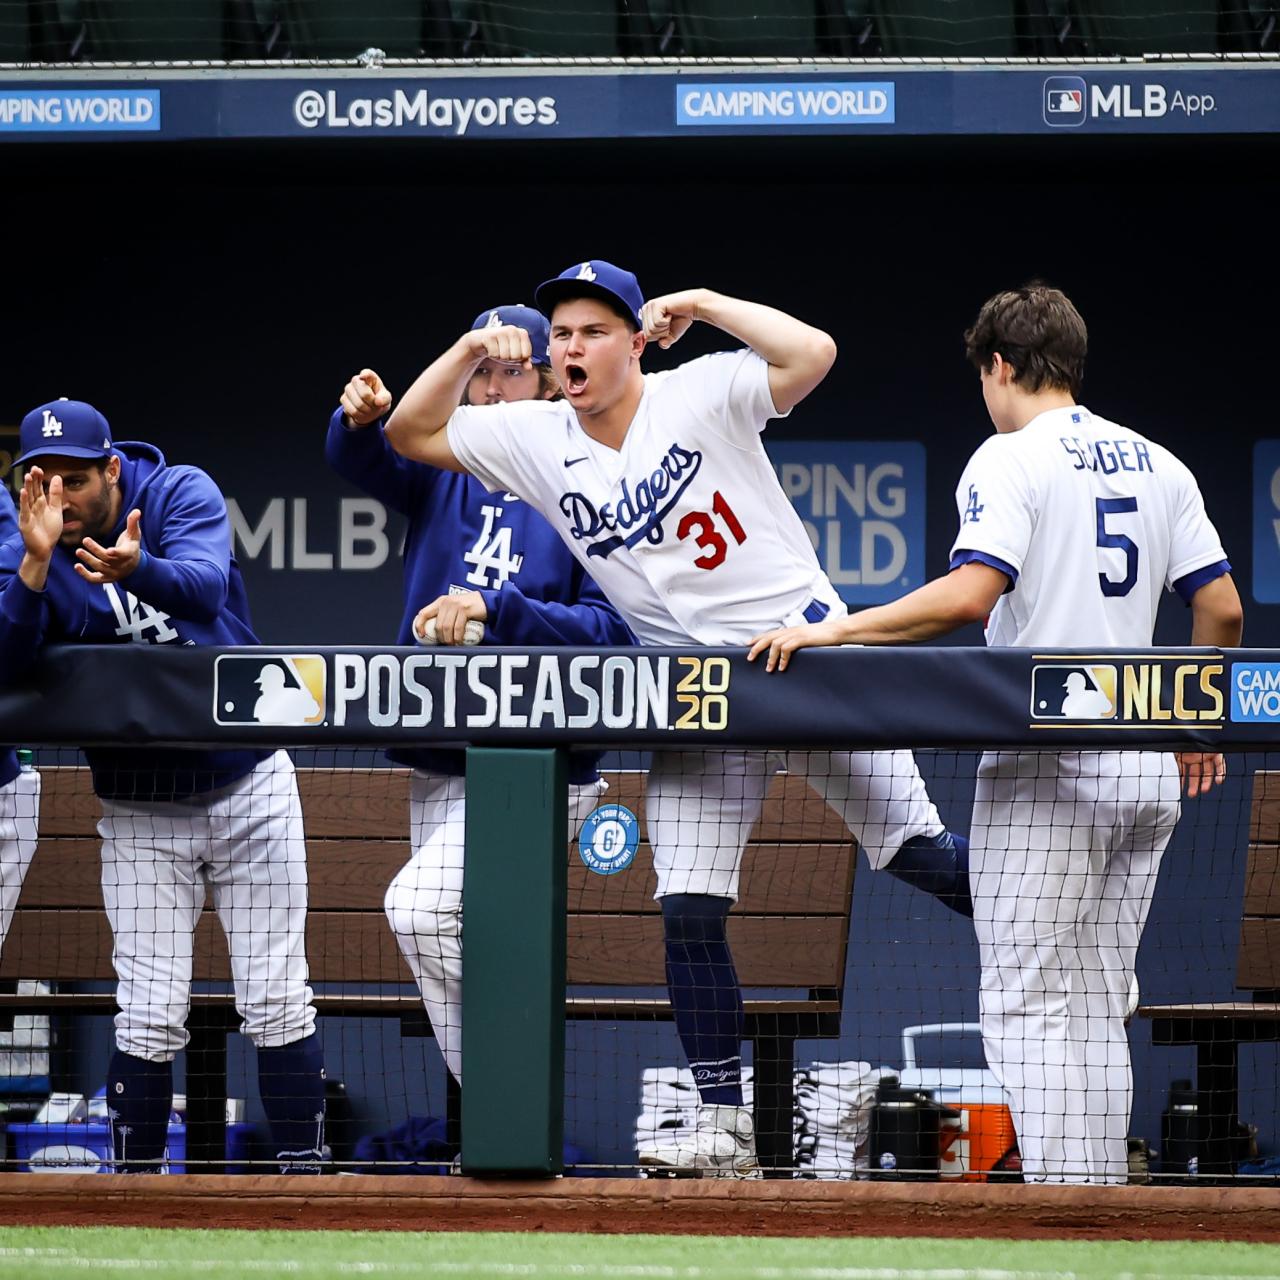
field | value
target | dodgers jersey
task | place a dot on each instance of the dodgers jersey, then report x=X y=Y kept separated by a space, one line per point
x=685 y=527
x=459 y=539
x=1090 y=521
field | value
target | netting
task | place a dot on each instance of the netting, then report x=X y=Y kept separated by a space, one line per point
x=112 y=31
x=1106 y=1015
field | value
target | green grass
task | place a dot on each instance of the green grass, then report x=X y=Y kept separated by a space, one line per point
x=48 y=1252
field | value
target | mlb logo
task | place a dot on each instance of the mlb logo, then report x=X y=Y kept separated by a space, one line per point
x=1064 y=98
x=275 y=689
x=1073 y=691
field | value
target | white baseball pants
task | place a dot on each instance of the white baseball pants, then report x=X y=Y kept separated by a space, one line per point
x=19 y=821
x=1064 y=853
x=246 y=843
x=424 y=901
x=702 y=805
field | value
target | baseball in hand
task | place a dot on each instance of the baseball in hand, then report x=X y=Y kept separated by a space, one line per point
x=473 y=634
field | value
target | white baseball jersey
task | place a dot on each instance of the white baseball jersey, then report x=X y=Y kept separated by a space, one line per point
x=1089 y=520
x=686 y=528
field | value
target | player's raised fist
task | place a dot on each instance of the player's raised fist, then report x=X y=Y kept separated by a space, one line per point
x=507 y=343
x=667 y=318
x=40 y=513
x=365 y=399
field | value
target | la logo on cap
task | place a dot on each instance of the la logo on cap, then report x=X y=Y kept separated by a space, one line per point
x=585 y=272
x=52 y=427
x=495 y=321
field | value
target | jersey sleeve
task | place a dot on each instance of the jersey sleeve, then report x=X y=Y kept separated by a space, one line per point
x=363 y=456
x=187 y=569
x=24 y=616
x=1196 y=555
x=729 y=391
x=585 y=617
x=996 y=504
x=495 y=443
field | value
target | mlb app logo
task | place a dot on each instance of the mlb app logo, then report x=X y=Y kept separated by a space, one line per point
x=1070 y=691
x=276 y=689
x=1064 y=98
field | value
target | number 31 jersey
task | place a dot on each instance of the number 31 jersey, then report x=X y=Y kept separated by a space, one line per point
x=1090 y=521
x=685 y=528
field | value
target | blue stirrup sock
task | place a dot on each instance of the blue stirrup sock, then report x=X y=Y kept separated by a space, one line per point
x=139 y=1100
x=705 y=997
x=938 y=865
x=291 y=1085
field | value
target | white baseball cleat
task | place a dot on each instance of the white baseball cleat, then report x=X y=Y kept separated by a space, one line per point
x=723 y=1146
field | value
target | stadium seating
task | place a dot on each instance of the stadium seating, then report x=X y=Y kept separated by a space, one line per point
x=338 y=29
x=573 y=29
x=1131 y=28
x=15 y=40
x=948 y=28
x=143 y=30
x=762 y=29
x=1250 y=26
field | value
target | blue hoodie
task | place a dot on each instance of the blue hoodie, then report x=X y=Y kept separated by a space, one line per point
x=186 y=590
x=535 y=592
x=8 y=529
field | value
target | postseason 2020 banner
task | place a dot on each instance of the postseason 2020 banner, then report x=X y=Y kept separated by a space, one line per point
x=651 y=698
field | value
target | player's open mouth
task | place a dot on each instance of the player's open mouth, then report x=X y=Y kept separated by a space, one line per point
x=576 y=376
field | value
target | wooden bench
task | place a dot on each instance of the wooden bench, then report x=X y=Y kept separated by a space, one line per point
x=789 y=932
x=1218 y=1030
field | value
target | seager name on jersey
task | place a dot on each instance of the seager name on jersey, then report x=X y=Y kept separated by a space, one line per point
x=1107 y=456
x=636 y=515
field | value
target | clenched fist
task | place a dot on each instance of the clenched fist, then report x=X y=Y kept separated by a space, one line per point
x=365 y=399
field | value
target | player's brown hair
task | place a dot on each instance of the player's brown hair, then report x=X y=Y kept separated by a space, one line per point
x=548 y=382
x=1037 y=331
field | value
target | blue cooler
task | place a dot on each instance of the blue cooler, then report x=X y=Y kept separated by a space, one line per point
x=86 y=1147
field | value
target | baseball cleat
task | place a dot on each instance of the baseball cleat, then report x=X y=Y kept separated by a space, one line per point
x=722 y=1146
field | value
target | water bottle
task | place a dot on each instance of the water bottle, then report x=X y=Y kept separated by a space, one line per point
x=905 y=1127
x=1185 y=1133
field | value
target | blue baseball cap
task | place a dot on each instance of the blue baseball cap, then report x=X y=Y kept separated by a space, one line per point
x=534 y=323
x=64 y=429
x=594 y=279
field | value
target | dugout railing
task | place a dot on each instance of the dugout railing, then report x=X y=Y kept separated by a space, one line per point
x=537 y=703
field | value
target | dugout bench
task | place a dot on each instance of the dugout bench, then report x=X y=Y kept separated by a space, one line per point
x=1218 y=1030
x=789 y=931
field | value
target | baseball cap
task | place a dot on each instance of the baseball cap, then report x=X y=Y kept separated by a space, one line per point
x=65 y=429
x=594 y=279
x=533 y=322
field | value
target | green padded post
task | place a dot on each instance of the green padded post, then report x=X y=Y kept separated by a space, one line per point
x=513 y=973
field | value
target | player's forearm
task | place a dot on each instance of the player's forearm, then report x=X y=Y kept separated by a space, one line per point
x=22 y=614
x=939 y=607
x=426 y=407
x=192 y=589
x=34 y=572
x=362 y=456
x=803 y=353
x=1217 y=616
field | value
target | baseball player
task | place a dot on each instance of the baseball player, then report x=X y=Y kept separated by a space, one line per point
x=469 y=558
x=116 y=547
x=1070 y=525
x=660 y=486
x=19 y=799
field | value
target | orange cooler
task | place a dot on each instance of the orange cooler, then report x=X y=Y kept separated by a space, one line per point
x=971 y=1145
